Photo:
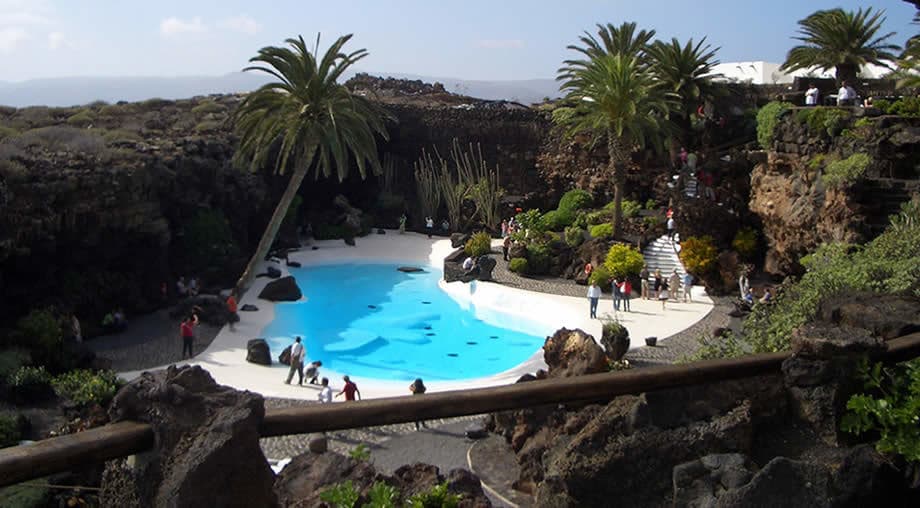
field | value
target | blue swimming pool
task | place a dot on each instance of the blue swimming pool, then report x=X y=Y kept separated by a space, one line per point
x=373 y=321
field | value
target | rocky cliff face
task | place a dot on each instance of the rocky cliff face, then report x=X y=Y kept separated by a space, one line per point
x=800 y=210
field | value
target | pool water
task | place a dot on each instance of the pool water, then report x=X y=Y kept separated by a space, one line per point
x=373 y=321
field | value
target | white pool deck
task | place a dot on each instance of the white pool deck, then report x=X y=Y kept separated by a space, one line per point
x=225 y=358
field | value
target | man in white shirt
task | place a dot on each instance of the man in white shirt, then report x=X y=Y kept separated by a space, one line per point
x=846 y=95
x=325 y=394
x=297 y=354
x=811 y=95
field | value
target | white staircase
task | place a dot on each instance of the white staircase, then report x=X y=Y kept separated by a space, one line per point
x=690 y=186
x=661 y=254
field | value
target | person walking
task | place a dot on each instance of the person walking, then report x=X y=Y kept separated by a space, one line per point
x=504 y=228
x=674 y=285
x=663 y=293
x=686 y=285
x=187 y=331
x=325 y=394
x=625 y=294
x=418 y=388
x=671 y=229
x=297 y=355
x=350 y=390
x=594 y=294
x=429 y=226
x=232 y=309
x=643 y=282
x=659 y=282
x=506 y=247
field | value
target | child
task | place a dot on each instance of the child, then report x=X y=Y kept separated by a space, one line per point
x=313 y=371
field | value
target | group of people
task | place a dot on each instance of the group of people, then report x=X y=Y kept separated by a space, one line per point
x=190 y=288
x=675 y=288
x=429 y=225
x=298 y=354
x=846 y=96
x=747 y=293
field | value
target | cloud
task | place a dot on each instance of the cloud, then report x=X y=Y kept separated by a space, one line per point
x=173 y=26
x=242 y=24
x=500 y=43
x=56 y=40
x=11 y=37
x=24 y=13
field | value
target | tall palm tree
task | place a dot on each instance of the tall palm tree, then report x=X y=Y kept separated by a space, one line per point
x=618 y=96
x=614 y=40
x=685 y=70
x=909 y=64
x=305 y=121
x=842 y=40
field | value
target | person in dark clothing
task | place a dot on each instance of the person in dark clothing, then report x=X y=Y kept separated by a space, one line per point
x=418 y=388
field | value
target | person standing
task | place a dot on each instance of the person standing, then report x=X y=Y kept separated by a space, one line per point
x=659 y=282
x=418 y=388
x=686 y=285
x=615 y=290
x=594 y=294
x=75 y=328
x=506 y=247
x=429 y=226
x=811 y=95
x=504 y=228
x=350 y=390
x=325 y=394
x=744 y=286
x=643 y=282
x=402 y=224
x=626 y=293
x=663 y=294
x=297 y=354
x=671 y=229
x=187 y=331
x=846 y=95
x=232 y=309
x=674 y=285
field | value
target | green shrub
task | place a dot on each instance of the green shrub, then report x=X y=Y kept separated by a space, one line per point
x=122 y=136
x=361 y=453
x=87 y=387
x=574 y=236
x=518 y=265
x=818 y=161
x=7 y=132
x=883 y=105
x=563 y=115
x=745 y=242
x=437 y=497
x=209 y=126
x=823 y=119
x=905 y=106
x=862 y=122
x=631 y=208
x=207 y=240
x=888 y=407
x=598 y=217
x=11 y=359
x=729 y=345
x=81 y=119
x=382 y=495
x=623 y=261
x=651 y=204
x=10 y=434
x=581 y=219
x=530 y=220
x=341 y=495
x=209 y=107
x=847 y=171
x=40 y=332
x=601 y=230
x=576 y=199
x=698 y=254
x=539 y=258
x=557 y=220
x=767 y=119
x=601 y=276
x=652 y=221
x=479 y=244
x=30 y=384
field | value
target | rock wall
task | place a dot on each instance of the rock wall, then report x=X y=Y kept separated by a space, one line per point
x=799 y=212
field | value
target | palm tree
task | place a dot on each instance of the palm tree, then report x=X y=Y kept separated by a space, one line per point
x=614 y=40
x=305 y=120
x=909 y=64
x=685 y=70
x=616 y=95
x=841 y=40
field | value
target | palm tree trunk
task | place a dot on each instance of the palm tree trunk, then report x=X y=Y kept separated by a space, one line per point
x=615 y=151
x=268 y=237
x=846 y=72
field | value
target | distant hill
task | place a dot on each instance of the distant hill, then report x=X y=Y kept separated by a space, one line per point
x=83 y=90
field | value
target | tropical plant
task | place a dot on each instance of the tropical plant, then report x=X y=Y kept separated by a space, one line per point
x=631 y=208
x=341 y=495
x=485 y=189
x=437 y=497
x=574 y=200
x=426 y=184
x=685 y=70
x=86 y=387
x=745 y=242
x=574 y=236
x=361 y=453
x=479 y=244
x=698 y=254
x=847 y=171
x=557 y=220
x=10 y=433
x=767 y=119
x=616 y=95
x=305 y=120
x=600 y=276
x=530 y=220
x=601 y=231
x=30 y=384
x=841 y=40
x=623 y=261
x=539 y=258
x=518 y=265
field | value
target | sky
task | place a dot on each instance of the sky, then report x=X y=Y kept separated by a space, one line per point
x=470 y=39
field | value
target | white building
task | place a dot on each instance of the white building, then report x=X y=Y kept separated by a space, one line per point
x=768 y=73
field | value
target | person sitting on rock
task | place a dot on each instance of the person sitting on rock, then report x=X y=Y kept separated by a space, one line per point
x=767 y=296
x=748 y=297
x=468 y=264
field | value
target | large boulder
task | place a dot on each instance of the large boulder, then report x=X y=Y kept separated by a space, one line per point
x=883 y=316
x=458 y=240
x=284 y=289
x=573 y=353
x=700 y=482
x=206 y=447
x=615 y=338
x=485 y=264
x=783 y=482
x=257 y=351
